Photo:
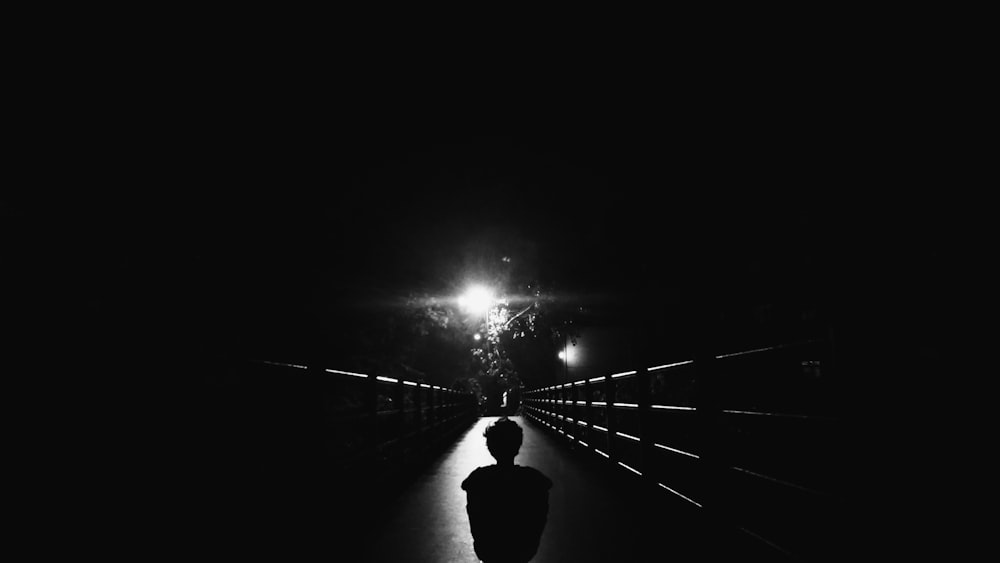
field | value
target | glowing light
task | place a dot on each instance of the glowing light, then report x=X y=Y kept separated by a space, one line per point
x=477 y=336
x=569 y=354
x=477 y=299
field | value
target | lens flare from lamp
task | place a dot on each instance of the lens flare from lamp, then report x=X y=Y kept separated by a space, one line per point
x=477 y=299
x=569 y=354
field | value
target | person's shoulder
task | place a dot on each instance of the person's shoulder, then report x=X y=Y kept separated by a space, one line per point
x=475 y=478
x=534 y=477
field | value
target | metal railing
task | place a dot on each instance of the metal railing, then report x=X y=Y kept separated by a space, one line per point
x=366 y=422
x=753 y=440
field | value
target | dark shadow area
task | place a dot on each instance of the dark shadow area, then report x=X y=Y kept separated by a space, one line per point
x=253 y=462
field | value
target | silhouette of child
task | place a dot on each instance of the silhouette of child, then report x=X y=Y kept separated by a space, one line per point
x=507 y=504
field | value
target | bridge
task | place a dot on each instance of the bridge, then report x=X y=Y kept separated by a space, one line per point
x=737 y=455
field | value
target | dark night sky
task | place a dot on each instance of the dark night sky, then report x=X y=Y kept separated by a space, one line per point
x=217 y=214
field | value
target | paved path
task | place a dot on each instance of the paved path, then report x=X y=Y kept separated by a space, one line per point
x=593 y=516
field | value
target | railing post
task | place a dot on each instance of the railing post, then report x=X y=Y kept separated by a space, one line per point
x=434 y=398
x=563 y=410
x=554 y=408
x=588 y=414
x=371 y=408
x=609 y=398
x=577 y=432
x=708 y=414
x=418 y=403
x=400 y=392
x=645 y=430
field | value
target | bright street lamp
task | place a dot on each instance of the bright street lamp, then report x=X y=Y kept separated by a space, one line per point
x=477 y=300
x=569 y=355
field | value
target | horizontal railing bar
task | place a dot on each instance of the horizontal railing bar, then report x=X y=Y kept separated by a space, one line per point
x=779 y=481
x=599 y=403
x=380 y=378
x=625 y=405
x=351 y=373
x=602 y=453
x=623 y=374
x=680 y=364
x=632 y=469
x=692 y=501
x=282 y=364
x=768 y=349
x=668 y=366
x=671 y=408
x=781 y=415
x=629 y=436
x=769 y=543
x=675 y=450
x=748 y=352
x=601 y=428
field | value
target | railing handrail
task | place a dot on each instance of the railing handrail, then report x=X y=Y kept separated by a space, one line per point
x=675 y=365
x=378 y=378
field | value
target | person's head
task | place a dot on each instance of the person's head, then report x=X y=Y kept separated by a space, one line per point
x=503 y=439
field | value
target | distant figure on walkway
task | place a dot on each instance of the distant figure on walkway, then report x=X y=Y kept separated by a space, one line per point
x=507 y=504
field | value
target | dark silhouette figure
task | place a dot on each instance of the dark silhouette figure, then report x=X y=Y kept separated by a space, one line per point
x=507 y=504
